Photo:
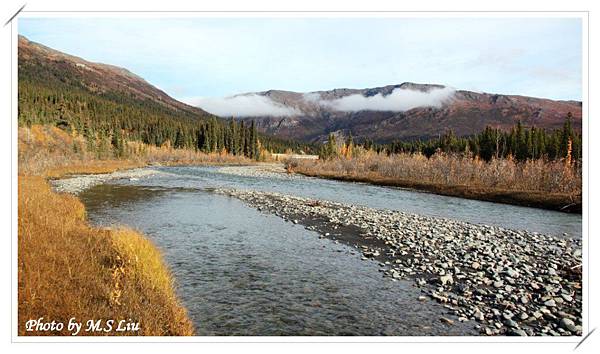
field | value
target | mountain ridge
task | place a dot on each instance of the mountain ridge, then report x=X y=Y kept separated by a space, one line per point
x=99 y=77
x=464 y=112
x=107 y=103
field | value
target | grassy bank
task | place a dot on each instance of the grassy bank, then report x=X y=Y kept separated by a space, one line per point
x=535 y=183
x=67 y=268
x=51 y=152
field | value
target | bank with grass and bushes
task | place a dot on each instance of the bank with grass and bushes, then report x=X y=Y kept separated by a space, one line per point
x=68 y=269
x=524 y=166
x=547 y=184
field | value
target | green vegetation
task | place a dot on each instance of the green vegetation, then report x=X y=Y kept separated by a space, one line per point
x=523 y=166
x=520 y=142
x=53 y=95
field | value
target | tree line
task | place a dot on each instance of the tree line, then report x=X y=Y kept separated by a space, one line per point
x=56 y=95
x=51 y=95
x=520 y=142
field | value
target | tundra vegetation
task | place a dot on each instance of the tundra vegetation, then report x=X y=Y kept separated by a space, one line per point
x=74 y=120
x=67 y=268
x=525 y=166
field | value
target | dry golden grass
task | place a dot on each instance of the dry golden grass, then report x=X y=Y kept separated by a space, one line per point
x=91 y=167
x=69 y=269
x=539 y=183
x=51 y=152
x=167 y=155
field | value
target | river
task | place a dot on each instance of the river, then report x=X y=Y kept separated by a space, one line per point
x=240 y=271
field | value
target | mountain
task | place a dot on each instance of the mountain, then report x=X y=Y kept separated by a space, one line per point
x=406 y=111
x=47 y=64
x=106 y=102
x=65 y=90
x=99 y=100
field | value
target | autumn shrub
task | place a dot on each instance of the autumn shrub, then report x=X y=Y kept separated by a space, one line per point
x=541 y=175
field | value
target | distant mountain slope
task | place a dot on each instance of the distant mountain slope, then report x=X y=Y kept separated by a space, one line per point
x=44 y=64
x=464 y=112
x=105 y=103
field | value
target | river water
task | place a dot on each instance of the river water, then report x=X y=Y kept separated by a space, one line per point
x=243 y=272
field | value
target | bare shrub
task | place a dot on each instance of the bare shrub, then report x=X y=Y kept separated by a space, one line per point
x=532 y=175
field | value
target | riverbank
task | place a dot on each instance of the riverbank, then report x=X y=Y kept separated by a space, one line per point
x=68 y=269
x=538 y=184
x=550 y=201
x=506 y=282
x=50 y=152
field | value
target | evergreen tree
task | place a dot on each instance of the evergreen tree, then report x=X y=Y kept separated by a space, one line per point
x=179 y=142
x=349 y=146
x=254 y=153
x=117 y=143
x=329 y=150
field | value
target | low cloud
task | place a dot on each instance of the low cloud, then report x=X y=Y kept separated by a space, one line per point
x=243 y=106
x=253 y=105
x=398 y=101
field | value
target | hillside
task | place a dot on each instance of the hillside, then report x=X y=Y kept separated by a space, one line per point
x=52 y=67
x=363 y=112
x=109 y=103
x=75 y=94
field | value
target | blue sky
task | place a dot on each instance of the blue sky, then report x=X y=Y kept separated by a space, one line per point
x=213 y=57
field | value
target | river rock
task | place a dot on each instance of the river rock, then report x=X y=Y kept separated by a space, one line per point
x=447 y=320
x=517 y=332
x=472 y=269
x=568 y=324
x=446 y=279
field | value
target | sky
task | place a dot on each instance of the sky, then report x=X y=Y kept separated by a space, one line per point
x=199 y=58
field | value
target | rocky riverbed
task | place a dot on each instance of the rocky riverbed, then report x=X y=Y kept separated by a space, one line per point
x=505 y=282
x=77 y=183
x=263 y=170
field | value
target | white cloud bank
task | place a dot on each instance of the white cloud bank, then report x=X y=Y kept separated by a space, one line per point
x=253 y=105
x=398 y=101
x=243 y=106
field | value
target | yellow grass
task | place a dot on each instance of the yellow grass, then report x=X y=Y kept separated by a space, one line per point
x=51 y=152
x=540 y=183
x=91 y=167
x=68 y=269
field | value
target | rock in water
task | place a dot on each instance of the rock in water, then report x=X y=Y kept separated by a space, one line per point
x=446 y=279
x=446 y=320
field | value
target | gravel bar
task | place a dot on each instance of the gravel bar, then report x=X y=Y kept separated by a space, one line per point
x=507 y=282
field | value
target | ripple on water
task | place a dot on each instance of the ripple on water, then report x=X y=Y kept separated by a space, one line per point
x=242 y=272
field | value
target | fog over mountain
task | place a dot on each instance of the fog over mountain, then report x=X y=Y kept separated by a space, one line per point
x=249 y=105
x=405 y=111
x=399 y=100
x=256 y=105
